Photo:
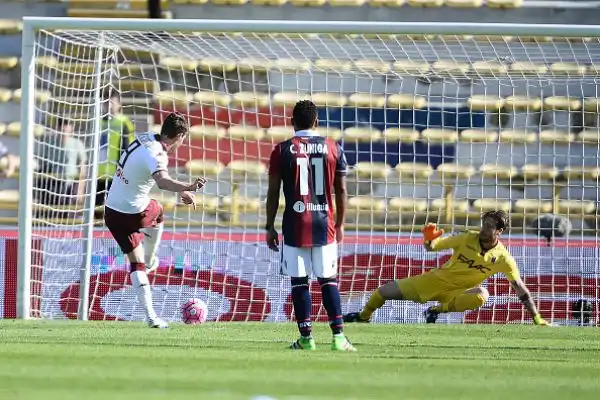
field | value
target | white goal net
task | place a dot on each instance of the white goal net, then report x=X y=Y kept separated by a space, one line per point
x=436 y=128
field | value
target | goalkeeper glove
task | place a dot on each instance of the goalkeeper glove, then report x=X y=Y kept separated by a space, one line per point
x=430 y=232
x=538 y=320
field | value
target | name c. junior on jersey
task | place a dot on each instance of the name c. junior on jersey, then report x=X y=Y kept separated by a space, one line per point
x=309 y=148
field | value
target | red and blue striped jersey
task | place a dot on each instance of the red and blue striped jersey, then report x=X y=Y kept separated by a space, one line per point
x=308 y=166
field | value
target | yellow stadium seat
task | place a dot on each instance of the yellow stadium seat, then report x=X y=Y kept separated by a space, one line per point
x=8 y=62
x=41 y=96
x=242 y=132
x=576 y=207
x=207 y=132
x=215 y=99
x=2 y=129
x=14 y=129
x=568 y=69
x=522 y=103
x=366 y=203
x=245 y=204
x=332 y=133
x=254 y=65
x=450 y=67
x=367 y=100
x=279 y=133
x=562 y=103
x=585 y=173
x=178 y=63
x=386 y=3
x=406 y=101
x=371 y=66
x=9 y=198
x=556 y=136
x=538 y=171
x=338 y=66
x=589 y=136
x=207 y=202
x=346 y=3
x=485 y=103
x=247 y=168
x=497 y=171
x=173 y=98
x=372 y=170
x=47 y=62
x=407 y=204
x=591 y=104
x=488 y=68
x=483 y=205
x=288 y=98
x=527 y=69
x=269 y=2
x=307 y=3
x=478 y=136
x=411 y=67
x=291 y=65
x=457 y=205
x=216 y=64
x=455 y=171
x=9 y=26
x=504 y=3
x=111 y=13
x=403 y=135
x=125 y=85
x=439 y=135
x=413 y=170
x=463 y=3
x=204 y=167
x=425 y=3
x=517 y=136
x=362 y=134
x=5 y=95
x=250 y=99
x=526 y=206
x=325 y=99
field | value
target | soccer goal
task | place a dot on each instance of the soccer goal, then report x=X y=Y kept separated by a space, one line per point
x=439 y=123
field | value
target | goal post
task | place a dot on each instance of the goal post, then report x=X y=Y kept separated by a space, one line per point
x=440 y=122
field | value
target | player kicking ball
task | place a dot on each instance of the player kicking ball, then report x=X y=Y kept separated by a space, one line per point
x=132 y=217
x=311 y=168
x=456 y=285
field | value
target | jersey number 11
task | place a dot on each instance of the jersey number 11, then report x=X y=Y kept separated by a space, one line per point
x=316 y=171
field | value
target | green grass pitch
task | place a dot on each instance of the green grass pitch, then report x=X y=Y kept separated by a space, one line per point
x=112 y=361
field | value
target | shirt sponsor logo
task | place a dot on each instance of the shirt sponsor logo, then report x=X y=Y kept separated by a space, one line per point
x=300 y=207
x=471 y=264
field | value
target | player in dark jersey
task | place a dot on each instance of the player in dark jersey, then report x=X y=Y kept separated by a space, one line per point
x=311 y=168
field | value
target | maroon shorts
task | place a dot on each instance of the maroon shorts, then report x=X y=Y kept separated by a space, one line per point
x=125 y=228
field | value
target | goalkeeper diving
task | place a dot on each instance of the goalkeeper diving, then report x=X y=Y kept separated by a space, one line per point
x=456 y=286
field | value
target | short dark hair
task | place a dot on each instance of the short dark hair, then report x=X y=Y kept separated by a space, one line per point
x=500 y=216
x=304 y=114
x=174 y=125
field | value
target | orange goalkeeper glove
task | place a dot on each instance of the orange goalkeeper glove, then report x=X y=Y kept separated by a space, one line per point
x=430 y=232
x=538 y=320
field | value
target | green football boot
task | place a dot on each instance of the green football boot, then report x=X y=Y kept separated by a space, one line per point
x=304 y=344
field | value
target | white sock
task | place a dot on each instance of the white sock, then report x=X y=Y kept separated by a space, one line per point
x=140 y=282
x=152 y=238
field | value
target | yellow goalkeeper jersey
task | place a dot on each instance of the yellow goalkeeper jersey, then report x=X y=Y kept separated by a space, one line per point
x=467 y=267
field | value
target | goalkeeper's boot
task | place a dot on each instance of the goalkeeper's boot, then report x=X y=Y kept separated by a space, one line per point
x=304 y=344
x=431 y=314
x=152 y=265
x=157 y=323
x=355 y=317
x=341 y=343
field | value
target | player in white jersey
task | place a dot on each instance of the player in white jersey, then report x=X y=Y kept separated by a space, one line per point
x=132 y=216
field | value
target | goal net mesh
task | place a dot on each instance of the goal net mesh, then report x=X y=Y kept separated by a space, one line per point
x=435 y=129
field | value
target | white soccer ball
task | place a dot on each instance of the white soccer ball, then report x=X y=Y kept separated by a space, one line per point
x=194 y=312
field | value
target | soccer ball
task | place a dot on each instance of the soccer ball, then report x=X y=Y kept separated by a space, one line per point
x=194 y=312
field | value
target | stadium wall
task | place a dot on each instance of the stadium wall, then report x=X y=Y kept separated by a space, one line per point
x=239 y=278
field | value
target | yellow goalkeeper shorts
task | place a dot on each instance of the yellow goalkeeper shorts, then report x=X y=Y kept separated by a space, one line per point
x=427 y=287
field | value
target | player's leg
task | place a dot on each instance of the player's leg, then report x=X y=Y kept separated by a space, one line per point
x=295 y=262
x=152 y=236
x=470 y=299
x=324 y=263
x=125 y=230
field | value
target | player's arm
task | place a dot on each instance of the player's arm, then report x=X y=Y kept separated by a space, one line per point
x=433 y=240
x=512 y=274
x=165 y=182
x=340 y=189
x=274 y=188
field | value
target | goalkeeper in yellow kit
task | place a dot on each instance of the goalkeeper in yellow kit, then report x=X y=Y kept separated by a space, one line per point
x=456 y=285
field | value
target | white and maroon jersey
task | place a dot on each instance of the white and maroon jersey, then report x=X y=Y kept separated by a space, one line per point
x=133 y=181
